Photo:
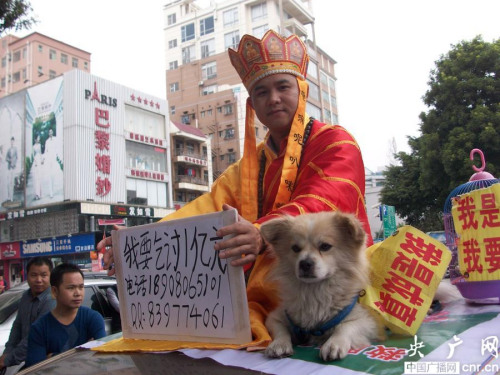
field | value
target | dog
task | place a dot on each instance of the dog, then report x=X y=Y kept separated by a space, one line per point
x=321 y=268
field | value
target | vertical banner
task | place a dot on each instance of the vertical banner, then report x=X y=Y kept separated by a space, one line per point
x=476 y=217
x=12 y=152
x=44 y=144
x=406 y=270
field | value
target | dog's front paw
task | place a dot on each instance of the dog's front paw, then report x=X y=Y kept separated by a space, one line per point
x=279 y=349
x=332 y=350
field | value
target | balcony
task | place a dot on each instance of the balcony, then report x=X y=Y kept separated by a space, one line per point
x=190 y=157
x=186 y=182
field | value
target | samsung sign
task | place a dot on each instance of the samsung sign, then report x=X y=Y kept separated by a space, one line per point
x=58 y=245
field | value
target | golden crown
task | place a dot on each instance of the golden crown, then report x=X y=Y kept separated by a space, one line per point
x=259 y=58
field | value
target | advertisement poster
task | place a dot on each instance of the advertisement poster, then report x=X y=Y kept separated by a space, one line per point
x=11 y=152
x=44 y=162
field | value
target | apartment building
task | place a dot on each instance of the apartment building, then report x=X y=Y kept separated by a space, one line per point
x=191 y=166
x=36 y=58
x=203 y=89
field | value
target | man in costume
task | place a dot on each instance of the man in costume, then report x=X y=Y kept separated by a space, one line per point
x=302 y=165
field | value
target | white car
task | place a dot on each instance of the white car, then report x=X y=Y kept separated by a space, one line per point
x=95 y=298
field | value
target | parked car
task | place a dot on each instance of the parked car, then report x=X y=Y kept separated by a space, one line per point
x=95 y=298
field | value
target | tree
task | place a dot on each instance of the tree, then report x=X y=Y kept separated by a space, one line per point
x=464 y=113
x=15 y=14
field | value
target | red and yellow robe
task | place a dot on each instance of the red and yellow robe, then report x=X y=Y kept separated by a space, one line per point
x=331 y=177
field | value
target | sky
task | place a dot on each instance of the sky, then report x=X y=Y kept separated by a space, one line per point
x=385 y=51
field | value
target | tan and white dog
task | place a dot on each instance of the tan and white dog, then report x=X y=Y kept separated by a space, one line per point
x=321 y=269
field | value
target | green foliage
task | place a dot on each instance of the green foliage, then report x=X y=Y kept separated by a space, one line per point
x=464 y=113
x=15 y=14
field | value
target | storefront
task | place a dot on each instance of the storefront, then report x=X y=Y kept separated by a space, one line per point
x=11 y=268
x=87 y=149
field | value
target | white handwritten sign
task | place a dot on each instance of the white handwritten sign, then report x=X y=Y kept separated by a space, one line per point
x=172 y=285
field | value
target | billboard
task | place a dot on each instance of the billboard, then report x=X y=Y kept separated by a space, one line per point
x=11 y=152
x=44 y=162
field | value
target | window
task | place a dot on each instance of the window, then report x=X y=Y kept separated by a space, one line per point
x=171 y=19
x=2 y=84
x=174 y=87
x=74 y=62
x=187 y=32
x=52 y=74
x=148 y=193
x=210 y=89
x=172 y=65
x=332 y=83
x=188 y=54
x=333 y=100
x=312 y=70
x=86 y=65
x=16 y=77
x=325 y=96
x=40 y=70
x=64 y=58
x=259 y=31
x=143 y=121
x=40 y=48
x=52 y=54
x=4 y=61
x=24 y=74
x=228 y=109
x=172 y=43
x=231 y=40
x=328 y=116
x=207 y=48
x=209 y=70
x=25 y=52
x=186 y=119
x=229 y=133
x=231 y=156
x=172 y=110
x=324 y=78
x=16 y=56
x=207 y=25
x=259 y=11
x=230 y=17
x=313 y=90
x=313 y=111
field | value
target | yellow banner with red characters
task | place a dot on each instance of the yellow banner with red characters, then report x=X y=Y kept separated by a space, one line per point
x=406 y=270
x=476 y=216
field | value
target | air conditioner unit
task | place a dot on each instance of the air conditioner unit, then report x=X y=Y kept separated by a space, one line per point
x=200 y=83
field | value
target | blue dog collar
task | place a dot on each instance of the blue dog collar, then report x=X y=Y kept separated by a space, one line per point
x=320 y=331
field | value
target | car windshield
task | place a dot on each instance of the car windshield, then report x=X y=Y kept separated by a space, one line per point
x=8 y=304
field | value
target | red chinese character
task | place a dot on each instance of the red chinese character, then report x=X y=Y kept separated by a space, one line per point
x=405 y=288
x=472 y=250
x=466 y=208
x=384 y=353
x=101 y=140
x=101 y=114
x=411 y=268
x=489 y=211
x=492 y=245
x=425 y=251
x=397 y=309
x=103 y=186
x=103 y=163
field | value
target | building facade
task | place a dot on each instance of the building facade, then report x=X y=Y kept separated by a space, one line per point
x=36 y=58
x=204 y=90
x=191 y=167
x=79 y=153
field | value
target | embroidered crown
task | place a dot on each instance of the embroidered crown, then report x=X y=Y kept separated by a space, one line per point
x=259 y=58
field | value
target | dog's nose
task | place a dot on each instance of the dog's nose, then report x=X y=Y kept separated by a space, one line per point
x=306 y=265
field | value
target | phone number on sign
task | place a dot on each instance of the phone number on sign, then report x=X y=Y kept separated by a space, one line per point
x=157 y=314
x=176 y=285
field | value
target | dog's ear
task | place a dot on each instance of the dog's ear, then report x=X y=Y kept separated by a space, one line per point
x=351 y=227
x=275 y=230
